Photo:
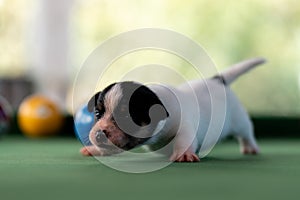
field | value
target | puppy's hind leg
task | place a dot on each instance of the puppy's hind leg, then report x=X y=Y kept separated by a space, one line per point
x=247 y=141
x=248 y=145
x=243 y=131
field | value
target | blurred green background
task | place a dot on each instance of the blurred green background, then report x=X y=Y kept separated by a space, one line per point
x=230 y=31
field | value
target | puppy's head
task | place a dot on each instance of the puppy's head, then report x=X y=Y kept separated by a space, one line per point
x=126 y=114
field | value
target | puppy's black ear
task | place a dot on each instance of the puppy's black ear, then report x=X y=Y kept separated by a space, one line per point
x=98 y=99
x=144 y=105
x=93 y=102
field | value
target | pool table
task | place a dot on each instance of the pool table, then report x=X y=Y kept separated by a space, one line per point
x=54 y=169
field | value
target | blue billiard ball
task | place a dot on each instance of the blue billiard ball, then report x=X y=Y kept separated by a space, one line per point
x=84 y=121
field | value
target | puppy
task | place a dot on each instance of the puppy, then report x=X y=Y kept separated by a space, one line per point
x=184 y=119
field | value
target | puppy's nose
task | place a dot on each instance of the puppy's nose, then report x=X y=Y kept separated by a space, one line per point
x=100 y=137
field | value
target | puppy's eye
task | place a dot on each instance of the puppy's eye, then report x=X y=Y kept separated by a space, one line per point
x=98 y=114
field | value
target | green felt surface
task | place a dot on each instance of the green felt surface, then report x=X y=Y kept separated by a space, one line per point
x=54 y=169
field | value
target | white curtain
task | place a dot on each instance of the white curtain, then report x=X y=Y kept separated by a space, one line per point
x=50 y=48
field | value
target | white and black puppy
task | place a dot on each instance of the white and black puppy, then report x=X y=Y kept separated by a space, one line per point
x=129 y=114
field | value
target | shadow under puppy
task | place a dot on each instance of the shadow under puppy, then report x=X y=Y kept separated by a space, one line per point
x=129 y=114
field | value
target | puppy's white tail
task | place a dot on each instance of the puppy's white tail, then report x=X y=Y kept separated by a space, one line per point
x=233 y=72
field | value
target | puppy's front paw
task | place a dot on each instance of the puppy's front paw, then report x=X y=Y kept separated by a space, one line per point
x=96 y=151
x=91 y=151
x=187 y=156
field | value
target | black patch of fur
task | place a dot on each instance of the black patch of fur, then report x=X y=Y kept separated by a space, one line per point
x=140 y=99
x=220 y=78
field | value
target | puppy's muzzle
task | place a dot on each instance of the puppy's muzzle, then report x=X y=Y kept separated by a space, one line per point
x=100 y=137
x=103 y=141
